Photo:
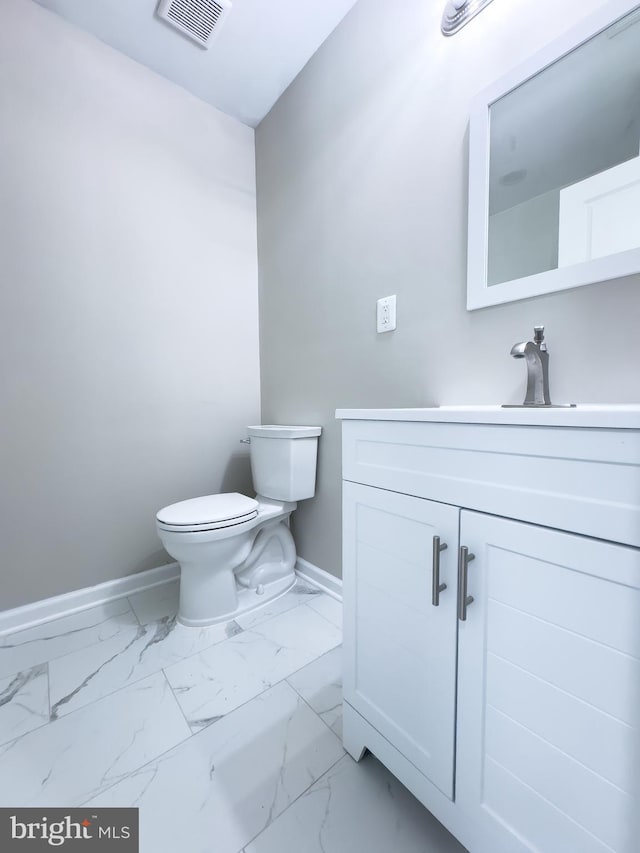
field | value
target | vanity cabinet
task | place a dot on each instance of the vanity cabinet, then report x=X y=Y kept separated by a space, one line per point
x=515 y=722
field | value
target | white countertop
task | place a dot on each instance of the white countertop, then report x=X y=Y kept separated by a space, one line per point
x=588 y=415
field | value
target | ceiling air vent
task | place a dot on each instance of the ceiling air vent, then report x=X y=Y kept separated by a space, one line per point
x=200 y=20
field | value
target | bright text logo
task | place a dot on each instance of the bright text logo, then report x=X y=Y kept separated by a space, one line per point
x=31 y=830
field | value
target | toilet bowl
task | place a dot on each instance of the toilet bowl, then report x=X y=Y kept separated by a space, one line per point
x=236 y=552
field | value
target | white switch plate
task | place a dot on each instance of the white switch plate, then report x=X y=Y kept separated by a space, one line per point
x=386 y=314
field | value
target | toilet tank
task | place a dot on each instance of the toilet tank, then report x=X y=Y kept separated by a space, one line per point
x=283 y=461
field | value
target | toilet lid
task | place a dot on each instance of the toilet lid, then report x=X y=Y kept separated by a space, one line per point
x=210 y=509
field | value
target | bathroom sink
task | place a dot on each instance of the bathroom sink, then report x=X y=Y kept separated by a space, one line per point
x=624 y=416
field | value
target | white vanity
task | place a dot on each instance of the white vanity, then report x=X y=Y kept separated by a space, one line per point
x=492 y=618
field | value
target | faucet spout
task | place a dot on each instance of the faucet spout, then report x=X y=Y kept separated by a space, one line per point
x=518 y=350
x=537 y=363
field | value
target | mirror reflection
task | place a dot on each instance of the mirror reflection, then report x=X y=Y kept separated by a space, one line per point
x=564 y=180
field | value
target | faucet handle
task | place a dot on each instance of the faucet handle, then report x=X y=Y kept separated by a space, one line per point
x=538 y=334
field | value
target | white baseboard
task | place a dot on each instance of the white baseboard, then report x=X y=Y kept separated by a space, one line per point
x=319 y=578
x=82 y=599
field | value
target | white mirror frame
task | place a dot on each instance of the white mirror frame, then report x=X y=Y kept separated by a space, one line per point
x=479 y=293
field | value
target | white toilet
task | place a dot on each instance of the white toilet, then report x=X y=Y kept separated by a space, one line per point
x=235 y=552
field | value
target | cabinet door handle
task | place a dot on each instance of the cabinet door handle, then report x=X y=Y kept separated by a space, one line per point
x=436 y=586
x=464 y=600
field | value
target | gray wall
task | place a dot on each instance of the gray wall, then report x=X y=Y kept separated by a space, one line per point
x=362 y=192
x=128 y=306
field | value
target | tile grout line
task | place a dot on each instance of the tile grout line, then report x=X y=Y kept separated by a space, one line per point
x=257 y=695
x=134 y=611
x=124 y=686
x=131 y=610
x=225 y=639
x=294 y=801
x=47 y=722
x=285 y=678
x=156 y=758
x=181 y=660
x=128 y=684
x=295 y=672
x=193 y=734
x=152 y=763
x=162 y=670
x=275 y=615
x=175 y=699
x=247 y=701
x=97 y=642
x=326 y=618
x=315 y=659
x=52 y=622
x=295 y=689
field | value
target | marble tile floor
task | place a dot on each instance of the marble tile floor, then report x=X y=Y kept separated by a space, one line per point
x=227 y=738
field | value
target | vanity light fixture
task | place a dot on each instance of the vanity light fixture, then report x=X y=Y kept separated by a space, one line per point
x=457 y=13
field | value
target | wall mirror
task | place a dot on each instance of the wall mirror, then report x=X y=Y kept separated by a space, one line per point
x=554 y=165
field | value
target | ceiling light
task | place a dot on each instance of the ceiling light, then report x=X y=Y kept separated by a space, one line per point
x=511 y=179
x=457 y=13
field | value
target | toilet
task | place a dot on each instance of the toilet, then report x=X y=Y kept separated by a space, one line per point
x=235 y=552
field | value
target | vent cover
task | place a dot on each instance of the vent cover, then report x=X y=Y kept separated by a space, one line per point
x=200 y=20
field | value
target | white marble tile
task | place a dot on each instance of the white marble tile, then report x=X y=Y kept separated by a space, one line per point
x=24 y=702
x=223 y=677
x=300 y=593
x=89 y=674
x=219 y=789
x=25 y=649
x=153 y=604
x=356 y=807
x=329 y=608
x=320 y=685
x=68 y=761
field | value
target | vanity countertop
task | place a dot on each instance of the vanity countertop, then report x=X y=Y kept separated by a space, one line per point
x=588 y=415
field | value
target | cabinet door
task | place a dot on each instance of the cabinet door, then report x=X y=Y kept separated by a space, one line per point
x=400 y=649
x=548 y=690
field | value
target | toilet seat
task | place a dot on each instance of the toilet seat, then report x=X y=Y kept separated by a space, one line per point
x=210 y=512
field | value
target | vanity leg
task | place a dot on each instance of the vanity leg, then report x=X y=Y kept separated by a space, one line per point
x=353 y=733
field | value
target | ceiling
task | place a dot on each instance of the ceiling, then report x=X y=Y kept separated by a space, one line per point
x=260 y=49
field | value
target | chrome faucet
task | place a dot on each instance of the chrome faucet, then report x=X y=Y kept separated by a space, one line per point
x=537 y=361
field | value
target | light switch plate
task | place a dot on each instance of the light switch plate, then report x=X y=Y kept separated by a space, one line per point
x=386 y=314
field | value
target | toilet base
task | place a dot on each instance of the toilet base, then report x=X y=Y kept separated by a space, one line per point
x=248 y=600
x=229 y=571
